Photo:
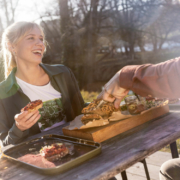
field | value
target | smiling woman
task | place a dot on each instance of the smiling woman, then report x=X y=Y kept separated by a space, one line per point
x=15 y=37
x=27 y=79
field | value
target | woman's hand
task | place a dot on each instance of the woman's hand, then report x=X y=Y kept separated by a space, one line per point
x=26 y=119
x=112 y=91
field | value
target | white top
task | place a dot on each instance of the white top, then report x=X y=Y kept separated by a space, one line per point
x=45 y=93
x=52 y=113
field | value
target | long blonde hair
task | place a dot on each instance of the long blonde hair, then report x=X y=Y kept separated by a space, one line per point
x=12 y=35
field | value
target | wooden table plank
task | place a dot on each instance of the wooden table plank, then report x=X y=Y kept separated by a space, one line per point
x=118 y=153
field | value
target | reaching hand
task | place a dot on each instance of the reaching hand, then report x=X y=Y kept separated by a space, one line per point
x=112 y=91
x=26 y=119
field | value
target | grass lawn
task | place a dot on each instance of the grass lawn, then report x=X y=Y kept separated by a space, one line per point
x=89 y=96
x=167 y=148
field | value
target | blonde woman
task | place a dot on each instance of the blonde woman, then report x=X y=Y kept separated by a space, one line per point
x=27 y=79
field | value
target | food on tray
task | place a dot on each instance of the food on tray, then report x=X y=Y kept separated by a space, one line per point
x=105 y=109
x=150 y=98
x=101 y=113
x=89 y=117
x=154 y=102
x=123 y=107
x=54 y=152
x=173 y=101
x=33 y=105
x=135 y=105
x=136 y=108
x=97 y=110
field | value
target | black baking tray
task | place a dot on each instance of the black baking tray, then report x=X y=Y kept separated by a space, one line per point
x=28 y=153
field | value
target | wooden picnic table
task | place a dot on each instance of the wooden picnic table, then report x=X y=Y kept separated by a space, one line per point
x=118 y=153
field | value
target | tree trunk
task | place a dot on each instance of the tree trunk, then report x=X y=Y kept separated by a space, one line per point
x=91 y=39
x=67 y=44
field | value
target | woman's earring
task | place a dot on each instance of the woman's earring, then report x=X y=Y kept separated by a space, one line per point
x=13 y=51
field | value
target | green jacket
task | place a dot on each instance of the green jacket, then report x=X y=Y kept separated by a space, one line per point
x=12 y=100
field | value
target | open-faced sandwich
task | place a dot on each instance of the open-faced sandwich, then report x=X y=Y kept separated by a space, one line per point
x=97 y=110
x=54 y=152
x=173 y=101
x=154 y=102
x=33 y=105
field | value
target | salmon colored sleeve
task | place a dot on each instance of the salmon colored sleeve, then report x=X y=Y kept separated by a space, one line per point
x=158 y=80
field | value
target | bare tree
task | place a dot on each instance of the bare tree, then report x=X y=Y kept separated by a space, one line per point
x=164 y=25
x=7 y=17
x=125 y=24
x=8 y=8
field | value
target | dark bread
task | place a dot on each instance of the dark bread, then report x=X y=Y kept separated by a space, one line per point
x=33 y=106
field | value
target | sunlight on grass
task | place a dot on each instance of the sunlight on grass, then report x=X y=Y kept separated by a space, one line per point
x=89 y=96
x=167 y=148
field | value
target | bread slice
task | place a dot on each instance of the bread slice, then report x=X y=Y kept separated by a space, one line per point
x=89 y=117
x=54 y=152
x=57 y=157
x=106 y=109
x=33 y=106
x=95 y=123
x=36 y=108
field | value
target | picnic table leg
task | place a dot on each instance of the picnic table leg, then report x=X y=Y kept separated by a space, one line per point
x=146 y=169
x=123 y=175
x=174 y=151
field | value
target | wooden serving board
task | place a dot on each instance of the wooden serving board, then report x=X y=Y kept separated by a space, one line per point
x=100 y=134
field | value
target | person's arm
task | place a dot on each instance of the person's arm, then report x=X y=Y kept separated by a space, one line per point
x=12 y=133
x=9 y=135
x=159 y=80
x=112 y=91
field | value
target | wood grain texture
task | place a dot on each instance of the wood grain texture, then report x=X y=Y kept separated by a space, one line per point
x=100 y=134
x=118 y=153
